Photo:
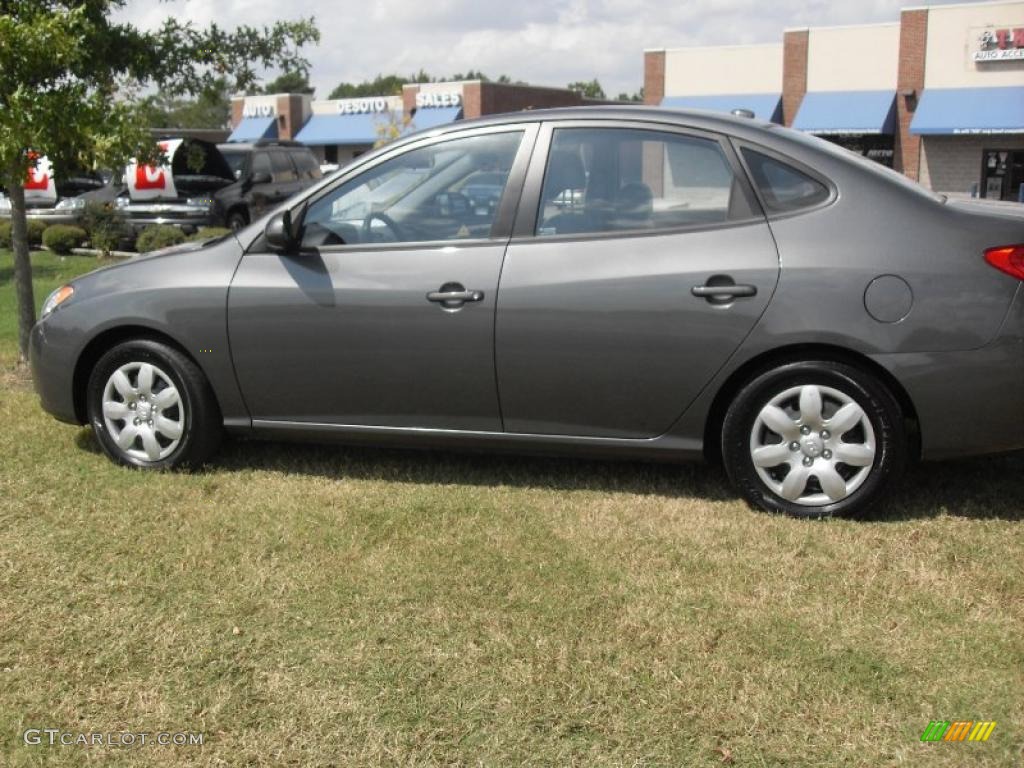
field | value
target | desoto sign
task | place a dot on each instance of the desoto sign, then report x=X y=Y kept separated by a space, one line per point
x=1006 y=44
x=362 y=106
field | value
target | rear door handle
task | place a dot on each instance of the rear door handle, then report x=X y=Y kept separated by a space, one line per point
x=723 y=291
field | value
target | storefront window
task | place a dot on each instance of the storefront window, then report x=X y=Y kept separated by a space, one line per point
x=1002 y=174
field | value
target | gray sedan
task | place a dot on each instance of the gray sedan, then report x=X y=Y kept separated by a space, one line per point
x=646 y=283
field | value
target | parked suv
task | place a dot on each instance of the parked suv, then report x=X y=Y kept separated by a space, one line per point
x=267 y=173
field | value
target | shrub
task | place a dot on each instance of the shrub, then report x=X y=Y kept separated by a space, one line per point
x=207 y=233
x=35 y=232
x=105 y=227
x=61 y=238
x=157 y=236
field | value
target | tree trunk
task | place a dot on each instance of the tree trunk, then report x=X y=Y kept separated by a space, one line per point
x=22 y=268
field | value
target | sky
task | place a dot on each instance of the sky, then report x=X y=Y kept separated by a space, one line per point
x=542 y=42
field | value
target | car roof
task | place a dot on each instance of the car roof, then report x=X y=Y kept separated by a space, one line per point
x=248 y=146
x=697 y=118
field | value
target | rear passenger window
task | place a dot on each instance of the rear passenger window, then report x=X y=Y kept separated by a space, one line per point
x=783 y=188
x=283 y=168
x=306 y=164
x=616 y=179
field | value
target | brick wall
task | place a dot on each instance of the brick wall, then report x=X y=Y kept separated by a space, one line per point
x=496 y=98
x=794 y=72
x=237 y=105
x=909 y=86
x=409 y=98
x=654 y=77
x=472 y=100
x=951 y=164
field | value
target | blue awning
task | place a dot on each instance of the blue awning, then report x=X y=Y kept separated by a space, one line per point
x=254 y=129
x=431 y=117
x=355 y=129
x=847 y=112
x=950 y=111
x=765 y=106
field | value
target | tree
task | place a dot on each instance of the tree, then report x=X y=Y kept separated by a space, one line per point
x=70 y=76
x=210 y=109
x=590 y=90
x=635 y=96
x=391 y=85
x=290 y=82
x=381 y=85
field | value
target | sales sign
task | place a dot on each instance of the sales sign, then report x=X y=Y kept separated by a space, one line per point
x=149 y=182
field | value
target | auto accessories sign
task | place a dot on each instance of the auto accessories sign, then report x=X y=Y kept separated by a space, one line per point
x=148 y=182
x=995 y=44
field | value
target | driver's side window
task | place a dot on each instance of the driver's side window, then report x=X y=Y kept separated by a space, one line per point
x=446 y=191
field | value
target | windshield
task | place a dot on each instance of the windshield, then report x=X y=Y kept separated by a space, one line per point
x=236 y=160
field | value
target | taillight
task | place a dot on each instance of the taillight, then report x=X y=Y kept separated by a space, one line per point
x=1008 y=259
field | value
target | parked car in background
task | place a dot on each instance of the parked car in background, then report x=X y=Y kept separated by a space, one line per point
x=64 y=204
x=651 y=283
x=181 y=193
x=266 y=173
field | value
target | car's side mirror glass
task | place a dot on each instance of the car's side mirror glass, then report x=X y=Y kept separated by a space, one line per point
x=279 y=233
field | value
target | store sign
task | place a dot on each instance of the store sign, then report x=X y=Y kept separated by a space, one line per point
x=39 y=186
x=431 y=100
x=362 y=106
x=258 y=110
x=148 y=182
x=1005 y=44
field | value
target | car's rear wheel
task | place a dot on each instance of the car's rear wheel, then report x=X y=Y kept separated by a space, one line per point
x=814 y=439
x=150 y=406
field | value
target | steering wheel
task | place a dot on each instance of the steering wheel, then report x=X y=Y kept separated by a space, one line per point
x=388 y=222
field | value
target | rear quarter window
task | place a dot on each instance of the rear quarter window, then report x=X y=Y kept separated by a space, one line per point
x=782 y=187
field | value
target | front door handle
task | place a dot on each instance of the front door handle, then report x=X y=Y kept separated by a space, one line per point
x=453 y=296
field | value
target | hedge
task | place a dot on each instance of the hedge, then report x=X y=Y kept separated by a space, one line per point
x=61 y=238
x=35 y=233
x=157 y=236
x=207 y=233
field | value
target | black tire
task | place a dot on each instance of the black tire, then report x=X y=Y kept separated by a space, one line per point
x=199 y=414
x=237 y=219
x=883 y=413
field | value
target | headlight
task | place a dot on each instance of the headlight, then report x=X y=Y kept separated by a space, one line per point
x=5 y=204
x=200 y=202
x=122 y=202
x=55 y=299
x=70 y=204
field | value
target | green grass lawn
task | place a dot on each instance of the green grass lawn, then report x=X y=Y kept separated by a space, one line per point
x=305 y=606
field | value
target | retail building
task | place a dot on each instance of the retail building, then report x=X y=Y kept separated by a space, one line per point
x=340 y=129
x=938 y=95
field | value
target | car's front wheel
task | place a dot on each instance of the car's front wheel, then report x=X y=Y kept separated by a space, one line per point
x=150 y=406
x=814 y=439
x=236 y=220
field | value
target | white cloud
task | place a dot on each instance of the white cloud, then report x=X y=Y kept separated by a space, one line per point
x=545 y=43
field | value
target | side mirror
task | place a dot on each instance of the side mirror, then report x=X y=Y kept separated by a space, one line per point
x=279 y=233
